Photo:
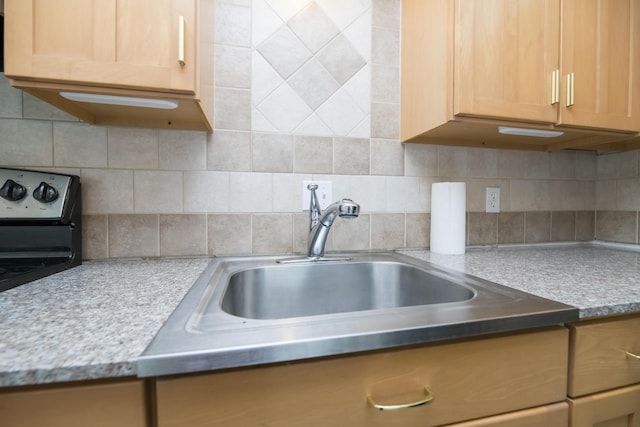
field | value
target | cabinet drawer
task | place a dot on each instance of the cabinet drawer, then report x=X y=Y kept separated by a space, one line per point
x=555 y=415
x=620 y=407
x=469 y=379
x=602 y=355
x=121 y=404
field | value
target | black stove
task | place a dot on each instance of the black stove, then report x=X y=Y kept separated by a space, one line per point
x=40 y=232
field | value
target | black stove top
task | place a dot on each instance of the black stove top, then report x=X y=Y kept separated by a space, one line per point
x=40 y=215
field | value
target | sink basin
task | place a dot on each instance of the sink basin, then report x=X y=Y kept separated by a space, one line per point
x=245 y=311
x=285 y=291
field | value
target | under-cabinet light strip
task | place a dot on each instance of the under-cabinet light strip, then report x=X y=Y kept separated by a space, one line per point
x=127 y=101
x=538 y=133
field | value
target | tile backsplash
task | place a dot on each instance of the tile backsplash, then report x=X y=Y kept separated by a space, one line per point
x=327 y=108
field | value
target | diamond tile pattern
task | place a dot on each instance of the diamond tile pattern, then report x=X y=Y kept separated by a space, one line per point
x=284 y=51
x=314 y=27
x=322 y=86
x=310 y=67
x=341 y=59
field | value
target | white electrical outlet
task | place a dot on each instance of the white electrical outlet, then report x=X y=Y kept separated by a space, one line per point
x=323 y=192
x=493 y=199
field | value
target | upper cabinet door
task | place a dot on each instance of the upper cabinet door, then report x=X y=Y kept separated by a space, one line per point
x=601 y=64
x=506 y=53
x=117 y=43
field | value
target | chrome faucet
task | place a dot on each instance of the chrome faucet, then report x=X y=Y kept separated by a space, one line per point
x=320 y=222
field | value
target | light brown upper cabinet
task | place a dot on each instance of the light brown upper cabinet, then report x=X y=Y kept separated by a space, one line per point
x=601 y=60
x=151 y=49
x=470 y=66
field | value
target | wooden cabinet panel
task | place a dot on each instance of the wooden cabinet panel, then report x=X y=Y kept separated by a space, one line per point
x=505 y=55
x=600 y=48
x=121 y=48
x=469 y=66
x=114 y=404
x=469 y=379
x=556 y=415
x=125 y=43
x=616 y=408
x=599 y=355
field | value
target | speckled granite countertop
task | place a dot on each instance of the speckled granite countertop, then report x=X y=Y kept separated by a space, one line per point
x=94 y=320
x=91 y=321
x=600 y=281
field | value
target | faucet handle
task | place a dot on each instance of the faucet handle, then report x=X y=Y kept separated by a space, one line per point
x=314 y=206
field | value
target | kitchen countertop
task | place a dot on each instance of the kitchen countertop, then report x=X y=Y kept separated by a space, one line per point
x=91 y=321
x=94 y=320
x=597 y=279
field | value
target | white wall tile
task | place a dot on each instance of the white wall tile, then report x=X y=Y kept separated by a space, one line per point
x=11 y=105
x=482 y=163
x=157 y=191
x=232 y=66
x=251 y=192
x=107 y=191
x=313 y=83
x=359 y=87
x=313 y=27
x=284 y=51
x=78 y=144
x=370 y=192
x=286 y=9
x=284 y=109
x=421 y=160
x=401 y=194
x=359 y=34
x=233 y=109
x=206 y=192
x=341 y=113
x=132 y=148
x=265 y=21
x=26 y=142
x=387 y=157
x=343 y=13
x=229 y=151
x=287 y=192
x=387 y=13
x=232 y=24
x=182 y=150
x=272 y=152
x=264 y=79
x=606 y=195
x=313 y=126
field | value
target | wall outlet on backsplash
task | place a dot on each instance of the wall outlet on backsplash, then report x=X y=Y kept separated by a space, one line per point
x=493 y=200
x=323 y=192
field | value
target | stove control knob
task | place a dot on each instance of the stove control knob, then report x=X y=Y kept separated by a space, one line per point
x=45 y=193
x=12 y=191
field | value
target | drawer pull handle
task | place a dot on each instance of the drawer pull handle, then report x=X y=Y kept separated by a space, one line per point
x=632 y=356
x=428 y=398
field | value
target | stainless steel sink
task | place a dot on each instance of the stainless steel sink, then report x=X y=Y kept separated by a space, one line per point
x=281 y=292
x=246 y=311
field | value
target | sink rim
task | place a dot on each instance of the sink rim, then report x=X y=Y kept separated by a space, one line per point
x=179 y=347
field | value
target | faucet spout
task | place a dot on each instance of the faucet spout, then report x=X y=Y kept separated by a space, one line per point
x=345 y=208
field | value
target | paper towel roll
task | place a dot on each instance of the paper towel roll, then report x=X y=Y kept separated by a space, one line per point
x=448 y=218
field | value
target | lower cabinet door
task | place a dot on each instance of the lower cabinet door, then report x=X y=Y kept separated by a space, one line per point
x=431 y=385
x=614 y=408
x=110 y=404
x=555 y=415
